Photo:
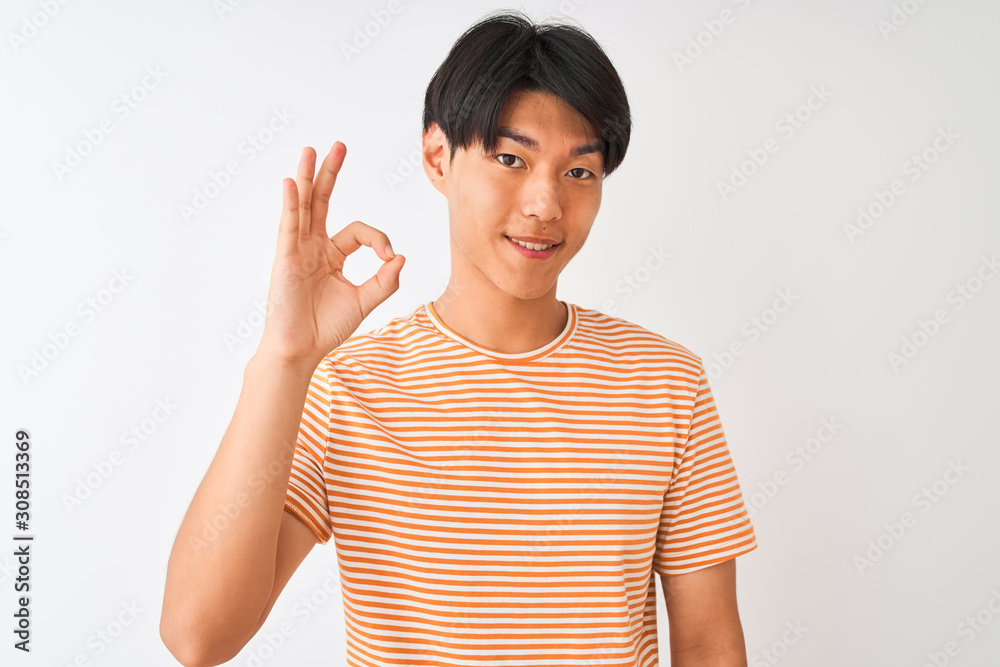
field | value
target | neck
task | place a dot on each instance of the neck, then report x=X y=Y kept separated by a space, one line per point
x=508 y=325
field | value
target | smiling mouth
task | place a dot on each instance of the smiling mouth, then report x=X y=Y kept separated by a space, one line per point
x=537 y=247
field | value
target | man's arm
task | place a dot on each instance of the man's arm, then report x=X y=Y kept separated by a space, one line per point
x=219 y=586
x=705 y=629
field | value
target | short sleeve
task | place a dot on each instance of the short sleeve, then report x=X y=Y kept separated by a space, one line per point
x=306 y=495
x=704 y=520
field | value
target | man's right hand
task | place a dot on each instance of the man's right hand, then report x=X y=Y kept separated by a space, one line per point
x=312 y=308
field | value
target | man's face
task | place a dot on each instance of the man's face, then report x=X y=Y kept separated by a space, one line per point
x=544 y=181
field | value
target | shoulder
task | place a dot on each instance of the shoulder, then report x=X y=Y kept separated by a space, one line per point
x=395 y=339
x=625 y=340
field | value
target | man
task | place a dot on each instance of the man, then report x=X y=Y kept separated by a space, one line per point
x=503 y=472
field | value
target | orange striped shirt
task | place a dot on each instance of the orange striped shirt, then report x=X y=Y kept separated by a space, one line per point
x=511 y=509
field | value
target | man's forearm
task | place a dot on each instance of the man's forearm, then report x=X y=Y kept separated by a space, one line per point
x=218 y=582
x=723 y=646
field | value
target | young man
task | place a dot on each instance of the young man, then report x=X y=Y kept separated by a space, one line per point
x=504 y=473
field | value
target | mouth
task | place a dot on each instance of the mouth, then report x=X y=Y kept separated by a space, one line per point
x=531 y=252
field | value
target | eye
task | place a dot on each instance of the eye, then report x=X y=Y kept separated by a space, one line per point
x=582 y=175
x=508 y=160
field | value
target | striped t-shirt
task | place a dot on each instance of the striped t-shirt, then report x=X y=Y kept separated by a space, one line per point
x=511 y=509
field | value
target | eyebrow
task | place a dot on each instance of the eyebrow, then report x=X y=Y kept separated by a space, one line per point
x=531 y=144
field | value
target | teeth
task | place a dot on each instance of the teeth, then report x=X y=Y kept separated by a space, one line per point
x=531 y=246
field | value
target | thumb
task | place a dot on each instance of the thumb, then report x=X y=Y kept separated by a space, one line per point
x=380 y=287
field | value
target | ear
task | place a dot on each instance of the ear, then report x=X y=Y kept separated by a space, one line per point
x=436 y=156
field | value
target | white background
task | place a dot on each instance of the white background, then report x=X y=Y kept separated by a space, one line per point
x=855 y=296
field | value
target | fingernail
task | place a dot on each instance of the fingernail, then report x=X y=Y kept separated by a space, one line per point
x=388 y=251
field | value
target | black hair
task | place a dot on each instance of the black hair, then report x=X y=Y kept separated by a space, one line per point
x=506 y=53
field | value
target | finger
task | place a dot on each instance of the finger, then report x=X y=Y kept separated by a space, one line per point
x=288 y=229
x=358 y=234
x=304 y=180
x=323 y=187
x=381 y=286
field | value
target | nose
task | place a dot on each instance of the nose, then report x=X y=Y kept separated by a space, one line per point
x=540 y=197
